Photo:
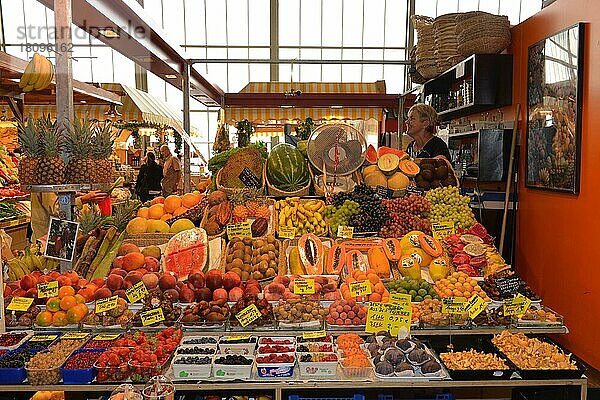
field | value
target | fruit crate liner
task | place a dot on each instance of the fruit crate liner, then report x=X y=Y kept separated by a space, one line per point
x=190 y=372
x=79 y=376
x=540 y=374
x=474 y=375
x=28 y=335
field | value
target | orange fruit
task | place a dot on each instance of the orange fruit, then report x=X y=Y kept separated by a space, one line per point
x=68 y=302
x=373 y=278
x=180 y=211
x=143 y=212
x=79 y=298
x=76 y=313
x=60 y=318
x=172 y=203
x=379 y=288
x=166 y=217
x=66 y=291
x=156 y=211
x=44 y=318
x=375 y=297
x=83 y=309
x=157 y=200
x=53 y=304
x=189 y=200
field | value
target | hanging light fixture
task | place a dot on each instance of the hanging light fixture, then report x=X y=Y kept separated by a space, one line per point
x=112 y=111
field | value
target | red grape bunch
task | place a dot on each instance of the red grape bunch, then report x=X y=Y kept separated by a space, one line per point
x=406 y=214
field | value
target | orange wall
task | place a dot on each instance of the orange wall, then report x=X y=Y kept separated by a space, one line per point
x=558 y=234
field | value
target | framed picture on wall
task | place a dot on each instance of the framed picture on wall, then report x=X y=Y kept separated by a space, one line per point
x=554 y=101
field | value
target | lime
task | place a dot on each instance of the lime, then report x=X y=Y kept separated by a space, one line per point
x=422 y=292
x=427 y=297
x=418 y=298
x=413 y=293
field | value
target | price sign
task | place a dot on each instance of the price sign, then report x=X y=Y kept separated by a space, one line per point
x=360 y=288
x=242 y=230
x=454 y=305
x=314 y=334
x=384 y=192
x=74 y=336
x=377 y=314
x=517 y=306
x=346 y=232
x=400 y=298
x=413 y=190
x=136 y=292
x=153 y=316
x=20 y=304
x=399 y=316
x=107 y=304
x=286 y=232
x=508 y=286
x=441 y=230
x=248 y=315
x=236 y=337
x=106 y=336
x=43 y=338
x=304 y=286
x=475 y=305
x=249 y=179
x=47 y=289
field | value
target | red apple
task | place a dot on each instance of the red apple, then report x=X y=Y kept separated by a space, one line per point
x=231 y=280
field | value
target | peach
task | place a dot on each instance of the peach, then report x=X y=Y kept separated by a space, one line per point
x=133 y=261
x=132 y=278
x=214 y=279
x=219 y=294
x=152 y=264
x=127 y=248
x=172 y=294
x=203 y=294
x=102 y=293
x=121 y=294
x=231 y=280
x=150 y=280
x=167 y=281
x=99 y=282
x=114 y=282
x=196 y=280
x=235 y=294
x=119 y=271
x=186 y=295
x=118 y=262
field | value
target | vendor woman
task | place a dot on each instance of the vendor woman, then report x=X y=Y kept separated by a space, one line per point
x=421 y=127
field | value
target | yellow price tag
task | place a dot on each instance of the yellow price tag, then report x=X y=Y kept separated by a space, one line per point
x=136 y=292
x=242 y=230
x=400 y=298
x=43 y=338
x=454 y=305
x=74 y=336
x=304 y=286
x=516 y=306
x=47 y=289
x=20 y=304
x=346 y=232
x=236 y=337
x=360 y=288
x=441 y=230
x=106 y=304
x=153 y=316
x=475 y=305
x=313 y=335
x=286 y=232
x=248 y=315
x=106 y=336
x=377 y=314
x=398 y=316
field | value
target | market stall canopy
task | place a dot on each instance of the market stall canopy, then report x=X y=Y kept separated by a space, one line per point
x=264 y=101
x=85 y=96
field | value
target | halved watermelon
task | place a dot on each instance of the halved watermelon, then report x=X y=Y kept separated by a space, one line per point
x=371 y=155
x=186 y=252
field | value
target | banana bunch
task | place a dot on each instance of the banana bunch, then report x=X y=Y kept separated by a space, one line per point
x=38 y=74
x=27 y=263
x=305 y=216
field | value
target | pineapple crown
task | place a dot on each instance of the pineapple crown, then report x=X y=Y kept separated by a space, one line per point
x=52 y=141
x=29 y=139
x=102 y=142
x=79 y=139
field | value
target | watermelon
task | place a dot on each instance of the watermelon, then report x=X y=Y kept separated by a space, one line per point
x=287 y=169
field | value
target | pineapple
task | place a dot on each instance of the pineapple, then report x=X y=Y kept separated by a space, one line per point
x=31 y=148
x=89 y=219
x=51 y=166
x=79 y=148
x=102 y=147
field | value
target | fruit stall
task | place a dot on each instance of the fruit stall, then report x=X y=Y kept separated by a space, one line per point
x=287 y=271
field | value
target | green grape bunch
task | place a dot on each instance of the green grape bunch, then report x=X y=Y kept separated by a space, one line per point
x=447 y=204
x=339 y=215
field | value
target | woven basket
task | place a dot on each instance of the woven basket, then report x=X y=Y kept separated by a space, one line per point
x=425 y=64
x=148 y=239
x=482 y=33
x=302 y=201
x=273 y=191
x=446 y=41
x=232 y=191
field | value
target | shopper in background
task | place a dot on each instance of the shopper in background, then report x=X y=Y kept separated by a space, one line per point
x=171 y=172
x=149 y=178
x=421 y=127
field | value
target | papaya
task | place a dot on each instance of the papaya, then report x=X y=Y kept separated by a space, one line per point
x=336 y=259
x=409 y=168
x=355 y=260
x=439 y=268
x=296 y=267
x=378 y=261
x=431 y=246
x=411 y=239
x=422 y=258
x=310 y=248
x=371 y=155
x=409 y=268
x=392 y=249
x=388 y=150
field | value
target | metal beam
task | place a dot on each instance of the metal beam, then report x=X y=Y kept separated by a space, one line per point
x=357 y=100
x=139 y=39
x=186 y=127
x=274 y=44
x=290 y=61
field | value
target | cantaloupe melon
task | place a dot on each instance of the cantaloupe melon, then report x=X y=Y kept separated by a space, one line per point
x=388 y=163
x=398 y=181
x=376 y=178
x=369 y=169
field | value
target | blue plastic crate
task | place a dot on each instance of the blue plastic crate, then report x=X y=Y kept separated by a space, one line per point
x=12 y=376
x=443 y=396
x=79 y=376
x=356 y=396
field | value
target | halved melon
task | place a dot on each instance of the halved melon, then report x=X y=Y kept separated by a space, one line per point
x=369 y=169
x=356 y=260
x=409 y=168
x=336 y=259
x=392 y=249
x=431 y=246
x=311 y=253
x=388 y=163
x=398 y=181
x=388 y=150
x=371 y=155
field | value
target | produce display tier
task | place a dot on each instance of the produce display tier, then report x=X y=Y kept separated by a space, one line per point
x=9 y=223
x=62 y=188
x=285 y=386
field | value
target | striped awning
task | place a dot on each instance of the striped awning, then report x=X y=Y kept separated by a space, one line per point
x=92 y=111
x=280 y=114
